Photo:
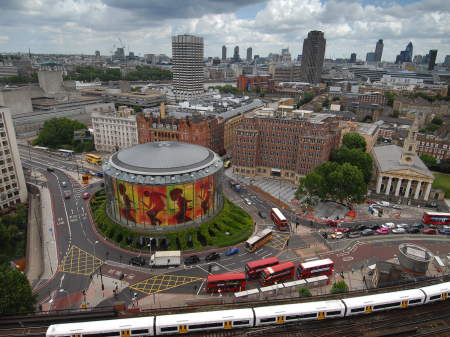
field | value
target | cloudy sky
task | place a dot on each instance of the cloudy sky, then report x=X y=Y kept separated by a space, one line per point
x=145 y=26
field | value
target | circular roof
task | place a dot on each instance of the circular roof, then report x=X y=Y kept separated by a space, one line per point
x=163 y=158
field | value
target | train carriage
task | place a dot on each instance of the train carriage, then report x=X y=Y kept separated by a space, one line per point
x=127 y=327
x=381 y=302
x=436 y=292
x=205 y=321
x=287 y=313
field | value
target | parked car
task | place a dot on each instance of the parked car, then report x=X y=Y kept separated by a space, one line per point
x=418 y=225
x=262 y=215
x=431 y=205
x=396 y=207
x=86 y=195
x=49 y=169
x=66 y=195
x=362 y=227
x=382 y=230
x=193 y=259
x=353 y=235
x=340 y=229
x=402 y=225
x=231 y=251
x=375 y=227
x=400 y=230
x=212 y=257
x=389 y=225
x=332 y=223
x=445 y=231
x=247 y=201
x=337 y=235
x=63 y=184
x=413 y=230
x=429 y=231
x=367 y=232
x=137 y=261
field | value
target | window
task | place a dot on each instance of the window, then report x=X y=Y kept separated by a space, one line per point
x=357 y=310
x=333 y=313
x=267 y=320
x=241 y=322
x=387 y=305
x=169 y=328
x=415 y=301
x=205 y=326
x=435 y=297
x=139 y=331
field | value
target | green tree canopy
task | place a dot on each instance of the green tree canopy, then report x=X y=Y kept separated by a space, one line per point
x=354 y=140
x=428 y=160
x=307 y=97
x=390 y=97
x=339 y=288
x=331 y=180
x=356 y=157
x=13 y=233
x=15 y=292
x=58 y=133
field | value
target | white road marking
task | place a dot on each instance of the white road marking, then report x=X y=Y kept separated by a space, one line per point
x=201 y=286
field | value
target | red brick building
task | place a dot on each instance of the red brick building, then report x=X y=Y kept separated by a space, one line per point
x=207 y=131
x=252 y=82
x=437 y=147
x=288 y=146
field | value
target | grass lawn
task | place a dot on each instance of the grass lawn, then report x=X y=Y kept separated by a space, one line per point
x=442 y=181
x=231 y=226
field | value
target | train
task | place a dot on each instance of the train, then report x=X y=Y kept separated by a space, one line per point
x=252 y=317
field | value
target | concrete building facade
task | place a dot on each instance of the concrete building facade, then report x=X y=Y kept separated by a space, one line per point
x=437 y=147
x=313 y=56
x=13 y=189
x=114 y=131
x=187 y=58
x=286 y=144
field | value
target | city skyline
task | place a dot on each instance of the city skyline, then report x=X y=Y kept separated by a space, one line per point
x=81 y=27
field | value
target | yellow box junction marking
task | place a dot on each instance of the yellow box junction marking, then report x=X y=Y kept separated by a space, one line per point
x=278 y=241
x=163 y=282
x=78 y=261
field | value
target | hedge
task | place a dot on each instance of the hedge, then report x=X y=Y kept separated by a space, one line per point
x=231 y=219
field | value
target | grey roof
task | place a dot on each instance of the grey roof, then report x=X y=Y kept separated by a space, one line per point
x=163 y=158
x=388 y=159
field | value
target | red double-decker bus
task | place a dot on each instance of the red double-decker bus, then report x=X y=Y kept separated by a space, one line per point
x=253 y=268
x=279 y=219
x=278 y=273
x=315 y=268
x=226 y=282
x=436 y=218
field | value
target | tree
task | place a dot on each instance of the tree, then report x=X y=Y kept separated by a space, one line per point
x=443 y=166
x=390 y=97
x=326 y=103
x=15 y=292
x=57 y=132
x=428 y=160
x=341 y=182
x=307 y=97
x=336 y=98
x=339 y=288
x=304 y=292
x=354 y=140
x=437 y=120
x=357 y=158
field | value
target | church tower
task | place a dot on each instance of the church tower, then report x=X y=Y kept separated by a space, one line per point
x=410 y=146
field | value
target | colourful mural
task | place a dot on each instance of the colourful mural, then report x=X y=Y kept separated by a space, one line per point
x=163 y=205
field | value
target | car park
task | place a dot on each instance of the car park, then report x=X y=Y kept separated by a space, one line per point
x=399 y=230
x=382 y=230
x=429 y=231
x=86 y=195
x=231 y=251
x=137 y=261
x=353 y=235
x=367 y=232
x=212 y=257
x=193 y=259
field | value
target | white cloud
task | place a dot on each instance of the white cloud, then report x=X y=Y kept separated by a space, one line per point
x=82 y=26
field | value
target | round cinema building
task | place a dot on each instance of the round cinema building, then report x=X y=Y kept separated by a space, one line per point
x=163 y=186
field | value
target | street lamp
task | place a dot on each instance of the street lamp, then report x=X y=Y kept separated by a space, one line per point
x=62 y=291
x=150 y=246
x=95 y=243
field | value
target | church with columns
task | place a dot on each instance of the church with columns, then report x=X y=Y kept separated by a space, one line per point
x=400 y=172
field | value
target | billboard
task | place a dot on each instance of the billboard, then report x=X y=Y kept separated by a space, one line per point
x=151 y=205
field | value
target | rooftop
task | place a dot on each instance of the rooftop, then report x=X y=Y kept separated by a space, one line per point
x=163 y=158
x=388 y=159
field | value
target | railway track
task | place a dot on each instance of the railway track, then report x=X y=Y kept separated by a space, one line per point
x=28 y=332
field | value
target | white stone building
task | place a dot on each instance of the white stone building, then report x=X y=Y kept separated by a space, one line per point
x=114 y=130
x=13 y=189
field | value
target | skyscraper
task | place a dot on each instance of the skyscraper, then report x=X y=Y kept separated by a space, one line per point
x=313 y=56
x=187 y=59
x=432 y=59
x=249 y=54
x=405 y=55
x=236 y=57
x=224 y=52
x=353 y=58
x=379 y=50
x=370 y=57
